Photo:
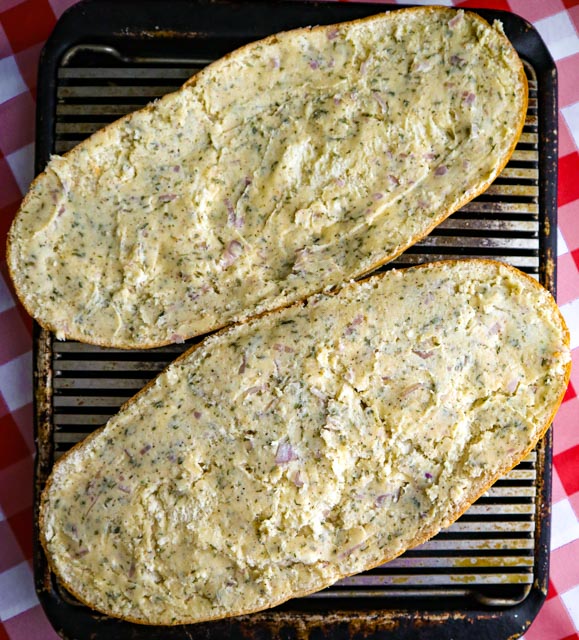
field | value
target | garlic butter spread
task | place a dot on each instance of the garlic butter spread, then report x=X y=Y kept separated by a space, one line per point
x=309 y=444
x=289 y=166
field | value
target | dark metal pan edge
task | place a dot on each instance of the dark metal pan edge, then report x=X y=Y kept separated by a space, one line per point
x=106 y=17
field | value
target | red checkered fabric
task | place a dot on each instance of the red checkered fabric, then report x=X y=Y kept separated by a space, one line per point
x=24 y=26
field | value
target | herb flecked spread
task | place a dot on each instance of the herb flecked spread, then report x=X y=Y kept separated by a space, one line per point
x=292 y=165
x=309 y=444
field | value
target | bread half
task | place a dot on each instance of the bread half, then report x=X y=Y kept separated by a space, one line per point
x=289 y=166
x=317 y=441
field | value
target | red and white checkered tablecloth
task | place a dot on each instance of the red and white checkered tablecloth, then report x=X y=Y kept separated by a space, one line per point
x=24 y=26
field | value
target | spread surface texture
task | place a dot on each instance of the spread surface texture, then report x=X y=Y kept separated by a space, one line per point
x=314 y=442
x=290 y=166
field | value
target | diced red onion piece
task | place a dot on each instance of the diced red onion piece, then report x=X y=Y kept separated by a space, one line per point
x=270 y=405
x=454 y=22
x=351 y=550
x=494 y=329
x=230 y=255
x=350 y=328
x=380 y=100
x=243 y=364
x=393 y=496
x=441 y=170
x=282 y=348
x=297 y=479
x=512 y=385
x=468 y=97
x=255 y=389
x=411 y=388
x=167 y=197
x=301 y=260
x=177 y=338
x=332 y=34
x=423 y=354
x=285 y=453
x=232 y=218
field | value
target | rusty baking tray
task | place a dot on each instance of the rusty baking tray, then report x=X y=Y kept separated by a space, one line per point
x=485 y=575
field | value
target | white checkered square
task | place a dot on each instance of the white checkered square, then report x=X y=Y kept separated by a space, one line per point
x=22 y=164
x=570 y=312
x=6 y=299
x=16 y=591
x=562 y=247
x=16 y=381
x=559 y=35
x=564 y=525
x=571 y=115
x=571 y=601
x=11 y=83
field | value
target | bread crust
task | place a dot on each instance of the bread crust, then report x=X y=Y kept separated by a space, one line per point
x=422 y=536
x=442 y=215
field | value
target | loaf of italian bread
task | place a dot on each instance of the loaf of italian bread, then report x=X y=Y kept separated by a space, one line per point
x=317 y=441
x=290 y=166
